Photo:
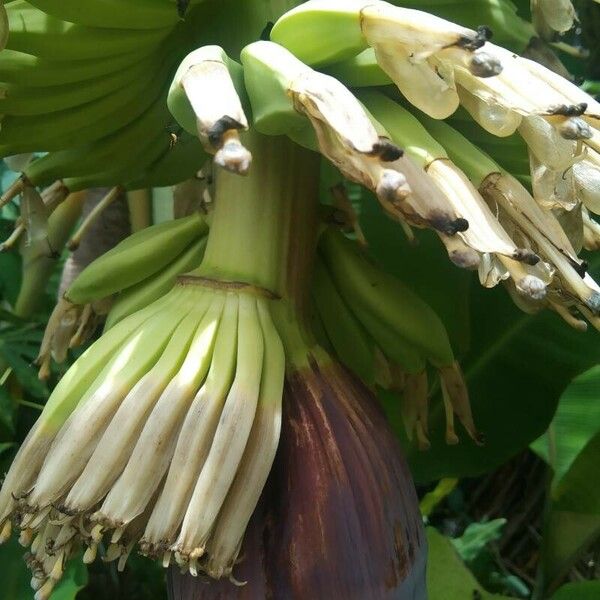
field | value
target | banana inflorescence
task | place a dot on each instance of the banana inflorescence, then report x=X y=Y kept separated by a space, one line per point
x=199 y=392
x=163 y=432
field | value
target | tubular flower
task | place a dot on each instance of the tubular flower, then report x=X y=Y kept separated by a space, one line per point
x=105 y=459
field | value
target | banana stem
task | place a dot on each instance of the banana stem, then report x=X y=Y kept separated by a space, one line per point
x=37 y=268
x=139 y=203
x=258 y=220
x=264 y=233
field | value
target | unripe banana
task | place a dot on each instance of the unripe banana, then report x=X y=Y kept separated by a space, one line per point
x=120 y=14
x=34 y=32
x=206 y=98
x=348 y=337
x=157 y=285
x=325 y=31
x=269 y=71
x=383 y=298
x=136 y=258
x=411 y=46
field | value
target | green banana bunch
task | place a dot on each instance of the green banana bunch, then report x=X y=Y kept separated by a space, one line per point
x=90 y=112
x=367 y=313
x=138 y=257
x=35 y=32
x=24 y=101
x=84 y=123
x=202 y=369
x=119 y=14
x=139 y=295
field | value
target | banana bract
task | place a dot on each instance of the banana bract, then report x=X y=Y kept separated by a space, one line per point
x=162 y=434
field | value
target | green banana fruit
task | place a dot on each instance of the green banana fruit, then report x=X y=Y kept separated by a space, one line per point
x=110 y=152
x=34 y=32
x=136 y=258
x=321 y=32
x=182 y=161
x=269 y=71
x=77 y=126
x=350 y=341
x=378 y=298
x=18 y=67
x=22 y=100
x=178 y=101
x=120 y=14
x=139 y=295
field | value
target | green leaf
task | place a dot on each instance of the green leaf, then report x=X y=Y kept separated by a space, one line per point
x=74 y=579
x=517 y=367
x=576 y=421
x=15 y=576
x=573 y=522
x=4 y=446
x=582 y=590
x=23 y=370
x=579 y=491
x=10 y=272
x=7 y=426
x=447 y=576
x=475 y=538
